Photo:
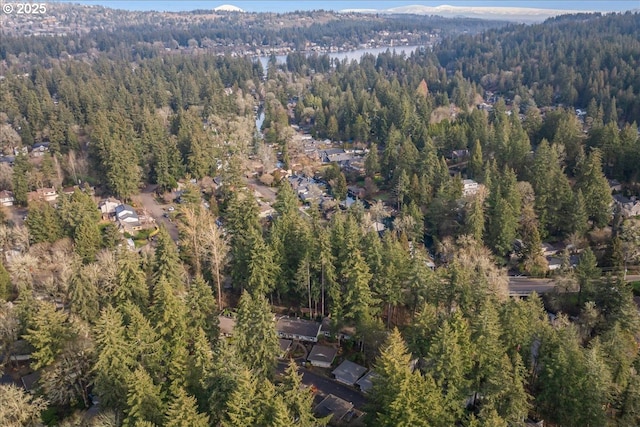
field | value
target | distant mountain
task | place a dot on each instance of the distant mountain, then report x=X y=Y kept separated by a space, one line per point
x=516 y=14
x=228 y=8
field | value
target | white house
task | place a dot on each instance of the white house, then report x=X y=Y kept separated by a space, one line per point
x=628 y=206
x=469 y=187
x=6 y=198
x=127 y=216
x=322 y=356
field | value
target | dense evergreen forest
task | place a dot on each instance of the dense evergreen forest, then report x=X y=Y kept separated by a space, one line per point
x=135 y=335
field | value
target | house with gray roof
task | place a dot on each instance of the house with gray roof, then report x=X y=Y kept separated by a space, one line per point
x=322 y=356
x=333 y=406
x=348 y=372
x=365 y=383
x=298 y=329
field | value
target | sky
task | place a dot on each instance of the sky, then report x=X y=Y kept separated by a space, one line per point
x=288 y=6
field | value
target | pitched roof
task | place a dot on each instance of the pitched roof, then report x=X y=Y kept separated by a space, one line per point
x=322 y=353
x=365 y=383
x=334 y=406
x=301 y=327
x=348 y=372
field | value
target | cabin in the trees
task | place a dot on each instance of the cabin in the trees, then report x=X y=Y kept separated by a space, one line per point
x=298 y=329
x=39 y=149
x=335 y=407
x=469 y=187
x=348 y=372
x=628 y=207
x=322 y=356
x=47 y=194
x=6 y=198
x=365 y=382
x=226 y=324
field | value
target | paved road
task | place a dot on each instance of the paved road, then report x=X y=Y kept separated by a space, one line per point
x=526 y=285
x=147 y=200
x=327 y=386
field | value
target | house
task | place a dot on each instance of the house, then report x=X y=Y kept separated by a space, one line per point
x=8 y=160
x=39 y=149
x=30 y=382
x=108 y=208
x=628 y=207
x=70 y=190
x=548 y=249
x=469 y=187
x=298 y=329
x=127 y=217
x=615 y=186
x=322 y=356
x=6 y=198
x=227 y=324
x=333 y=406
x=365 y=383
x=47 y=194
x=285 y=346
x=265 y=210
x=348 y=372
x=459 y=155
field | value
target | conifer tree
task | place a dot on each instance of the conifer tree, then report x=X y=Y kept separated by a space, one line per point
x=167 y=264
x=114 y=361
x=372 y=162
x=144 y=400
x=255 y=335
x=595 y=189
x=47 y=332
x=183 y=411
x=240 y=409
x=475 y=163
x=87 y=240
x=131 y=282
x=83 y=296
x=202 y=308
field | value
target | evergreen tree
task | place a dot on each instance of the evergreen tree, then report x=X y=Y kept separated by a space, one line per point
x=579 y=216
x=167 y=264
x=131 y=282
x=5 y=283
x=476 y=164
x=183 y=411
x=595 y=189
x=255 y=335
x=83 y=296
x=297 y=400
x=43 y=223
x=371 y=162
x=87 y=240
x=144 y=400
x=241 y=407
x=202 y=308
x=114 y=359
x=533 y=262
x=48 y=333
x=21 y=170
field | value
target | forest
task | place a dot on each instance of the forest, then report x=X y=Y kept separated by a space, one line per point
x=124 y=337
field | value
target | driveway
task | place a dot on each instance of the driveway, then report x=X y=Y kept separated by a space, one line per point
x=327 y=386
x=147 y=200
